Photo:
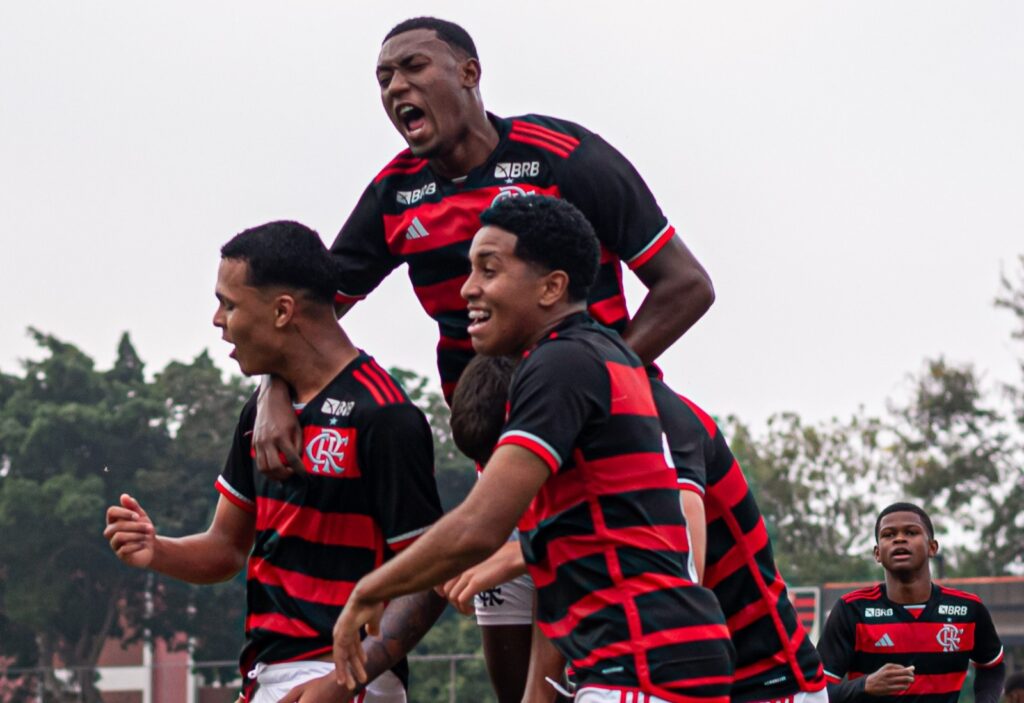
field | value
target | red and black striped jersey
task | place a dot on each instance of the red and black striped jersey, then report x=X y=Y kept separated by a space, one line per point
x=367 y=493
x=775 y=657
x=409 y=214
x=604 y=539
x=866 y=630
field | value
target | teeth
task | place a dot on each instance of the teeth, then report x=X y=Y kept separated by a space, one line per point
x=404 y=110
x=478 y=315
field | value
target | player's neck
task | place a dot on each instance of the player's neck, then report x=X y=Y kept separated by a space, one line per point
x=315 y=358
x=474 y=147
x=909 y=589
x=557 y=317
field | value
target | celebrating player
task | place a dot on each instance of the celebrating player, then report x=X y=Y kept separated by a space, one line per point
x=909 y=639
x=775 y=659
x=580 y=465
x=367 y=490
x=423 y=209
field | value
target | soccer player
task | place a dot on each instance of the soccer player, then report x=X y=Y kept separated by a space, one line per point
x=909 y=639
x=776 y=659
x=580 y=466
x=366 y=493
x=423 y=207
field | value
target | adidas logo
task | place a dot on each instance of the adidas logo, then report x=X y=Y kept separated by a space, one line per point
x=885 y=641
x=416 y=230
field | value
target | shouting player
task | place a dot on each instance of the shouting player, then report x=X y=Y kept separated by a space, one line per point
x=423 y=208
x=580 y=465
x=908 y=638
x=366 y=493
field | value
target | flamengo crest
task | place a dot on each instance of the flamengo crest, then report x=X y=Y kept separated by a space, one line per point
x=326 y=451
x=949 y=638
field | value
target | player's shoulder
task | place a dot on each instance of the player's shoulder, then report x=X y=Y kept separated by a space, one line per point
x=955 y=595
x=703 y=418
x=403 y=164
x=862 y=596
x=373 y=389
x=555 y=136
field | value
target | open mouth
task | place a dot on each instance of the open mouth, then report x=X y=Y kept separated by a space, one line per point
x=411 y=117
x=477 y=319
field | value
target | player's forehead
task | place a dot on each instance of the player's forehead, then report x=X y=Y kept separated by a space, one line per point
x=407 y=44
x=492 y=242
x=901 y=519
x=232 y=273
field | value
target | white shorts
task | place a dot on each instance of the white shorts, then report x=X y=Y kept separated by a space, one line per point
x=510 y=603
x=801 y=697
x=591 y=694
x=275 y=680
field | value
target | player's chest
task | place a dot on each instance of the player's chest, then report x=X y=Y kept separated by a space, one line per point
x=427 y=214
x=886 y=629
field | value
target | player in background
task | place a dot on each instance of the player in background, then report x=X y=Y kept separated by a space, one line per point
x=580 y=465
x=776 y=661
x=422 y=209
x=908 y=638
x=366 y=493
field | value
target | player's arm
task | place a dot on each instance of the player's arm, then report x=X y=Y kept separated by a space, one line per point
x=679 y=292
x=464 y=537
x=208 y=557
x=606 y=187
x=988 y=683
x=501 y=567
x=546 y=665
x=987 y=656
x=277 y=437
x=692 y=504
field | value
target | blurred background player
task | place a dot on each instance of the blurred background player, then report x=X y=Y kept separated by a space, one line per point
x=776 y=660
x=908 y=638
x=423 y=209
x=1015 y=688
x=367 y=492
x=580 y=465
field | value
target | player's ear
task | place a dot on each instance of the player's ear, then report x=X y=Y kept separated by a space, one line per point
x=556 y=285
x=878 y=556
x=469 y=73
x=284 y=310
x=933 y=547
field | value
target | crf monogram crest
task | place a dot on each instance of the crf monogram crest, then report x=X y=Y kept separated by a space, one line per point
x=949 y=638
x=327 y=452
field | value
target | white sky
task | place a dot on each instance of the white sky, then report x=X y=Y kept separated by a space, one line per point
x=850 y=173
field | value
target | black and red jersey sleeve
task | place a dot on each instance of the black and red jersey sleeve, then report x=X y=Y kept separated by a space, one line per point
x=555 y=392
x=606 y=187
x=836 y=646
x=361 y=250
x=397 y=453
x=688 y=442
x=988 y=648
x=236 y=482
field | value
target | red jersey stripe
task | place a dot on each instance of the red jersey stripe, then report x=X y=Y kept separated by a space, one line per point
x=736 y=559
x=705 y=419
x=401 y=164
x=370 y=386
x=564 y=140
x=679 y=635
x=726 y=493
x=532 y=444
x=301 y=586
x=958 y=593
x=234 y=498
x=869 y=593
x=630 y=390
x=442 y=297
x=657 y=244
x=332 y=529
x=452 y=344
x=610 y=310
x=911 y=638
x=383 y=382
x=281 y=624
x=540 y=143
x=391 y=383
x=345 y=299
x=621 y=592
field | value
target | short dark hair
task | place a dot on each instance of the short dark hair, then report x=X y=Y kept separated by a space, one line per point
x=479 y=404
x=450 y=33
x=550 y=233
x=1014 y=682
x=288 y=254
x=906 y=508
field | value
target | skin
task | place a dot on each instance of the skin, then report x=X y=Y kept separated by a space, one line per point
x=904 y=549
x=524 y=304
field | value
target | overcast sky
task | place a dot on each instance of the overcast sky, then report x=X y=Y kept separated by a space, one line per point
x=850 y=173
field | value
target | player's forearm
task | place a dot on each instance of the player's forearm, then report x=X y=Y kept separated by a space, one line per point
x=455 y=543
x=847 y=691
x=988 y=683
x=406 y=620
x=672 y=306
x=200 y=559
x=693 y=510
x=546 y=662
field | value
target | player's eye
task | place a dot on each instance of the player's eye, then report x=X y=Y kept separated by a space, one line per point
x=383 y=79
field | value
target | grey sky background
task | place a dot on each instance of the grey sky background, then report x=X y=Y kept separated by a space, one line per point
x=851 y=174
